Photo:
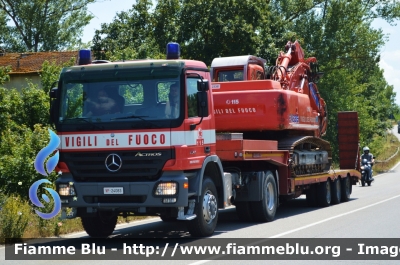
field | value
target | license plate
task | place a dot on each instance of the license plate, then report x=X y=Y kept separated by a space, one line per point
x=113 y=190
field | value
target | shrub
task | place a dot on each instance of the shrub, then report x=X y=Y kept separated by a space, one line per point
x=14 y=217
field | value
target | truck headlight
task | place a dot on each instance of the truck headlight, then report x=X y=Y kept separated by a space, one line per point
x=66 y=190
x=166 y=188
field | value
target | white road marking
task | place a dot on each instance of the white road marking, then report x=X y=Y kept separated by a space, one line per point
x=306 y=226
x=334 y=217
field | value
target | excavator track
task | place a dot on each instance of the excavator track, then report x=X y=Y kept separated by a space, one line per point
x=309 y=155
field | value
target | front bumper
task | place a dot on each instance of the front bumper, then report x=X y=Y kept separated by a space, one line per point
x=136 y=195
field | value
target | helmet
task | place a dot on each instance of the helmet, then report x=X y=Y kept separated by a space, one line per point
x=366 y=149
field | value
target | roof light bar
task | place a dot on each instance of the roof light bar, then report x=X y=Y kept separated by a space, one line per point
x=84 y=57
x=173 y=50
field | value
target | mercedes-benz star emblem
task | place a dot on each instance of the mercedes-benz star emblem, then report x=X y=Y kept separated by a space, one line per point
x=113 y=162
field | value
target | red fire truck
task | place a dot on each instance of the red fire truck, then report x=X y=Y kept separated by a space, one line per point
x=171 y=138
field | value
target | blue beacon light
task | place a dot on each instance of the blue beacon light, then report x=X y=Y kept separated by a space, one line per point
x=84 y=57
x=173 y=50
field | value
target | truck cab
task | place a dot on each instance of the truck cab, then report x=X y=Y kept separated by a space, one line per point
x=147 y=156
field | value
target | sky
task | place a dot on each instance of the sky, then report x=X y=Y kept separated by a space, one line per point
x=105 y=10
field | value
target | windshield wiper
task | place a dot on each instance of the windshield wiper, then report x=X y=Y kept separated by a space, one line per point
x=136 y=117
x=87 y=121
x=131 y=117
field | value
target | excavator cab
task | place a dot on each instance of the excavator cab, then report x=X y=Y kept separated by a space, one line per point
x=237 y=68
x=229 y=75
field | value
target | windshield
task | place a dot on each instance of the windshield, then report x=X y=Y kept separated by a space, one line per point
x=106 y=101
x=231 y=75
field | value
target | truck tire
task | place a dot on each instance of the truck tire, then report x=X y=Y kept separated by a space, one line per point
x=206 y=210
x=265 y=210
x=346 y=189
x=99 y=225
x=243 y=211
x=324 y=193
x=336 y=191
x=311 y=196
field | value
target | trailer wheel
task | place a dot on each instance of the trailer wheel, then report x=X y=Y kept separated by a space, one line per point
x=100 y=225
x=243 y=211
x=336 y=191
x=206 y=210
x=311 y=196
x=264 y=210
x=346 y=189
x=324 y=194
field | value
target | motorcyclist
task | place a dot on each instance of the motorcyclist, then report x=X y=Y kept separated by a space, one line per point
x=370 y=158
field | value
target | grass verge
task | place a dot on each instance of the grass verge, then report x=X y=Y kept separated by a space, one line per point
x=18 y=220
x=382 y=162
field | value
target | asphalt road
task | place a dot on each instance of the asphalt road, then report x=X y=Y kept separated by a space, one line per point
x=372 y=212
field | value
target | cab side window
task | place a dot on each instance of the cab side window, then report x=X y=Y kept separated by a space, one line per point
x=191 y=92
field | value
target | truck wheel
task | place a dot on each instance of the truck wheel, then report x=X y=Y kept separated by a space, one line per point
x=346 y=189
x=206 y=210
x=264 y=210
x=324 y=193
x=243 y=211
x=336 y=191
x=311 y=196
x=99 y=225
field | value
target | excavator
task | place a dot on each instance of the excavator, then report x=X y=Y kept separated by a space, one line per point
x=280 y=102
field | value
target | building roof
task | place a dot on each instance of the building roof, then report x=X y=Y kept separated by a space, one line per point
x=22 y=63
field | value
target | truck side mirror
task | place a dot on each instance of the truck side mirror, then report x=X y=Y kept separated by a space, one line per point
x=202 y=101
x=53 y=95
x=53 y=92
x=202 y=85
x=202 y=104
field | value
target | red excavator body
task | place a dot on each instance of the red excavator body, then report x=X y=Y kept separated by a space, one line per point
x=283 y=98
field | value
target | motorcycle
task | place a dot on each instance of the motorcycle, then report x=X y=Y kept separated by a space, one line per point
x=365 y=165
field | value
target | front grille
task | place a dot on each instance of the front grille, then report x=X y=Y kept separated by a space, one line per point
x=91 y=166
x=115 y=199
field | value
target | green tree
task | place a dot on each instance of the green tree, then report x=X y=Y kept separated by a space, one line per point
x=4 y=74
x=50 y=73
x=166 y=23
x=45 y=25
x=205 y=30
x=18 y=149
x=23 y=133
x=211 y=29
x=129 y=36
